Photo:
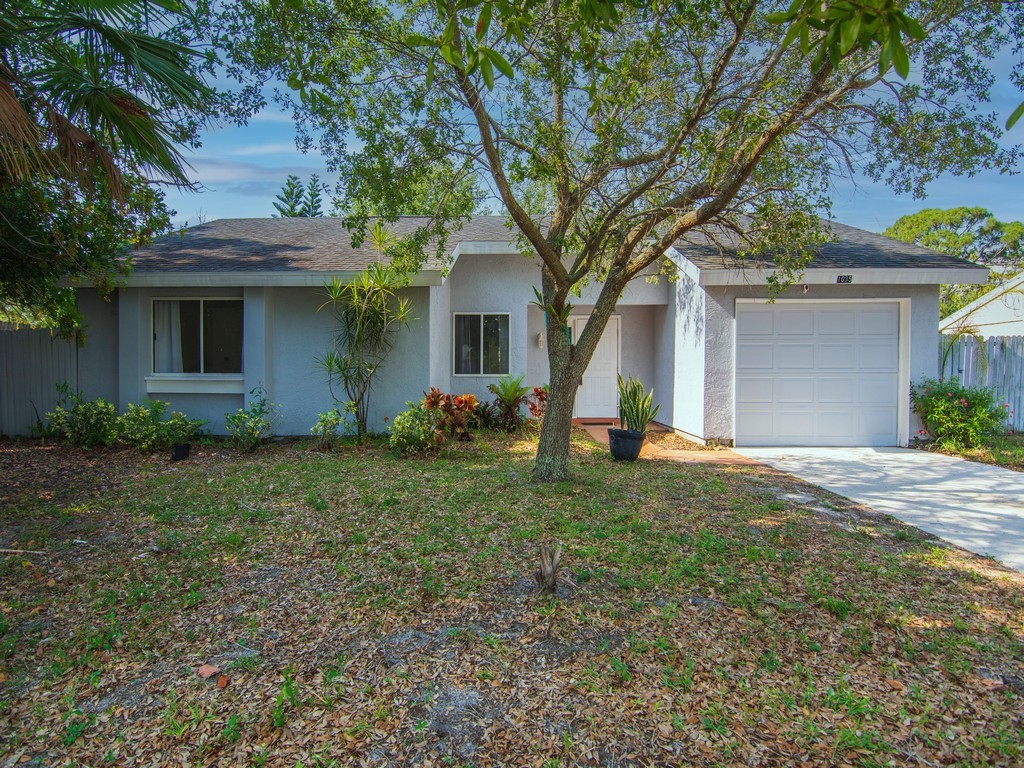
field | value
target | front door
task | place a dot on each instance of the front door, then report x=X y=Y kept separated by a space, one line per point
x=598 y=395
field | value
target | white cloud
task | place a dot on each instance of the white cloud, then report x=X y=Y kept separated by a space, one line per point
x=268 y=148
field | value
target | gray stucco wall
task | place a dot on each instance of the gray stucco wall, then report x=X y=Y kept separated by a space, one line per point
x=97 y=358
x=720 y=315
x=299 y=334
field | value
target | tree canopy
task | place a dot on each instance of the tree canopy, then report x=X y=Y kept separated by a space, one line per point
x=611 y=130
x=968 y=233
x=97 y=98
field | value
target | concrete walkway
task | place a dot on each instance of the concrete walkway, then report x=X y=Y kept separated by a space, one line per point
x=976 y=506
x=599 y=431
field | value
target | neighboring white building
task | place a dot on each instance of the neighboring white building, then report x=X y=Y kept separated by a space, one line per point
x=208 y=315
x=1000 y=312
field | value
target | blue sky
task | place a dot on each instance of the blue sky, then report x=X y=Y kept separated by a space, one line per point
x=242 y=168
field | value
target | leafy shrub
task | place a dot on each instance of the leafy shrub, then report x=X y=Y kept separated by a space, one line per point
x=143 y=426
x=538 y=402
x=330 y=427
x=955 y=416
x=636 y=404
x=179 y=428
x=454 y=414
x=85 y=423
x=509 y=396
x=413 y=431
x=248 y=427
x=486 y=416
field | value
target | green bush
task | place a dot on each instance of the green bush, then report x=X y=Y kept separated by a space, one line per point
x=248 y=427
x=509 y=396
x=143 y=426
x=956 y=417
x=85 y=423
x=414 y=430
x=330 y=427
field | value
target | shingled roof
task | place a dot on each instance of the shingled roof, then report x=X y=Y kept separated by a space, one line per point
x=304 y=245
x=287 y=244
x=852 y=249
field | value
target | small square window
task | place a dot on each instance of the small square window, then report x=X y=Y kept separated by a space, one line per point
x=197 y=336
x=481 y=344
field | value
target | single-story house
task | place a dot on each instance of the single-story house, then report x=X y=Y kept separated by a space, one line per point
x=209 y=314
x=1000 y=312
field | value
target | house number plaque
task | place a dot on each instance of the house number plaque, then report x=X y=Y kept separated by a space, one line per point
x=844 y=278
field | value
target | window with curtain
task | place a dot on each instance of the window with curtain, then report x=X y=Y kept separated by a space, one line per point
x=197 y=336
x=481 y=344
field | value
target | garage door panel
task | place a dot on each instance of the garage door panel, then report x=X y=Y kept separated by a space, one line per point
x=760 y=424
x=794 y=356
x=817 y=374
x=754 y=356
x=794 y=322
x=793 y=422
x=756 y=322
x=835 y=423
x=755 y=389
x=794 y=389
x=835 y=390
x=837 y=356
x=877 y=388
x=835 y=322
x=876 y=421
x=878 y=356
x=880 y=322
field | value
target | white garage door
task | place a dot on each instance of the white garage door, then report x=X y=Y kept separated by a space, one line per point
x=817 y=373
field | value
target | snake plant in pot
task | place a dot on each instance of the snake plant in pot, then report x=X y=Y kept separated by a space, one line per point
x=637 y=410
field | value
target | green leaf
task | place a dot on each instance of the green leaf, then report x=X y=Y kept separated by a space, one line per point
x=1018 y=113
x=431 y=67
x=501 y=63
x=487 y=70
x=848 y=34
x=483 y=22
x=899 y=58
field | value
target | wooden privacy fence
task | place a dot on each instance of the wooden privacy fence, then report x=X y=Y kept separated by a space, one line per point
x=32 y=364
x=997 y=363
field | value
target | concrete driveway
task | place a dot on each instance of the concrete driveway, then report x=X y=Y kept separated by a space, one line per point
x=976 y=506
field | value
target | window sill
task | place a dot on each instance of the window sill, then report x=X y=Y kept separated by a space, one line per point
x=196 y=383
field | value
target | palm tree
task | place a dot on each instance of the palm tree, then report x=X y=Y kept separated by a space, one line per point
x=94 y=88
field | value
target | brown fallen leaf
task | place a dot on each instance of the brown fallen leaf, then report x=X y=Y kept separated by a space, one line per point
x=207 y=670
x=222 y=681
x=896 y=685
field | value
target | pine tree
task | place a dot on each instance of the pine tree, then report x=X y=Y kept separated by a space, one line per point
x=313 y=201
x=290 y=201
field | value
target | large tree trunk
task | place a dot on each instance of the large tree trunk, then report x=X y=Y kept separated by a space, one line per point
x=567 y=363
x=552 y=461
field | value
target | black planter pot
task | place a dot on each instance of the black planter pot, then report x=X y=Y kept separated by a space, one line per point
x=180 y=451
x=625 y=444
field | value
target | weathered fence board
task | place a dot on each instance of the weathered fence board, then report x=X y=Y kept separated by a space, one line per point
x=32 y=364
x=997 y=363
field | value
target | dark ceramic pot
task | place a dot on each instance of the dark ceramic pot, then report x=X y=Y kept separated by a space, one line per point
x=625 y=444
x=180 y=451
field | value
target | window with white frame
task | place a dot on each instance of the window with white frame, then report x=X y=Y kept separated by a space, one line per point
x=481 y=344
x=197 y=336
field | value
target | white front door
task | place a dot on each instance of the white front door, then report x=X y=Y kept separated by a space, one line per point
x=598 y=396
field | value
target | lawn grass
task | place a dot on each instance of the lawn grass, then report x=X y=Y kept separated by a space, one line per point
x=366 y=609
x=1003 y=450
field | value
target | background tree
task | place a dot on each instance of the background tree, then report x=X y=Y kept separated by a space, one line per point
x=313 y=200
x=96 y=99
x=968 y=233
x=640 y=124
x=290 y=201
